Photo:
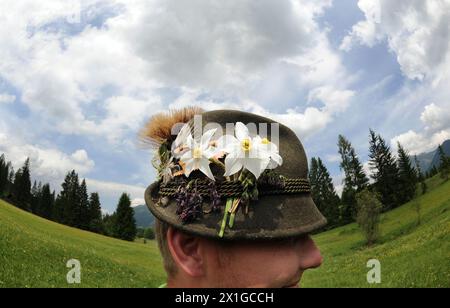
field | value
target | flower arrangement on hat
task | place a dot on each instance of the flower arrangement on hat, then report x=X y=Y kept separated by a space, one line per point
x=241 y=157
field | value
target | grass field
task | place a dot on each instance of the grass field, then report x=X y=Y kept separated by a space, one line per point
x=411 y=255
x=34 y=251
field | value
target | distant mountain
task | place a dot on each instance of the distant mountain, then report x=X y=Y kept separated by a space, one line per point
x=436 y=159
x=143 y=217
x=430 y=159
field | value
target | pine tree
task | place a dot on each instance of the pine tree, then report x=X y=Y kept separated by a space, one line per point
x=385 y=171
x=407 y=176
x=10 y=184
x=58 y=210
x=125 y=225
x=355 y=179
x=433 y=171
x=82 y=207
x=36 y=191
x=69 y=200
x=108 y=222
x=22 y=187
x=4 y=173
x=323 y=192
x=444 y=166
x=420 y=176
x=46 y=202
x=95 y=214
x=6 y=177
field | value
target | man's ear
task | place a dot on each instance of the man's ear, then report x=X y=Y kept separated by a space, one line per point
x=186 y=251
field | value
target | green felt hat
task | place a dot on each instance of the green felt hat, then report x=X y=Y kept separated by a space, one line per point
x=276 y=205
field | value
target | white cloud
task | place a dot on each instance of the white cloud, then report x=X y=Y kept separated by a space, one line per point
x=304 y=123
x=333 y=158
x=435 y=118
x=124 y=114
x=224 y=48
x=113 y=190
x=334 y=100
x=7 y=98
x=62 y=77
x=223 y=43
x=47 y=163
x=418 y=32
x=338 y=182
x=366 y=31
x=368 y=170
x=137 y=201
x=417 y=143
x=437 y=129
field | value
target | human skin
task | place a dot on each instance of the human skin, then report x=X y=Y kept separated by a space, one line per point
x=204 y=263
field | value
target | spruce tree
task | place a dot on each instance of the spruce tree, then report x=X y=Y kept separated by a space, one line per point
x=68 y=201
x=108 y=222
x=385 y=171
x=407 y=176
x=420 y=176
x=323 y=192
x=4 y=173
x=433 y=171
x=58 y=210
x=22 y=187
x=46 y=202
x=36 y=191
x=355 y=179
x=10 y=183
x=82 y=207
x=95 y=214
x=444 y=166
x=125 y=225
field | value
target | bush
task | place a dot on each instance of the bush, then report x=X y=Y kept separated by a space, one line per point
x=368 y=216
x=149 y=234
x=140 y=232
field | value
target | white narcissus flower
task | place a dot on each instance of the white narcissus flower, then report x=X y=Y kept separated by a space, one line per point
x=270 y=150
x=179 y=146
x=197 y=154
x=166 y=173
x=243 y=151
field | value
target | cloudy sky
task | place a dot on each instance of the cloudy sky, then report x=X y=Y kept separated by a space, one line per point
x=78 y=79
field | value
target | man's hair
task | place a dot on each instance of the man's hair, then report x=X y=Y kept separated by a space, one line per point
x=161 y=236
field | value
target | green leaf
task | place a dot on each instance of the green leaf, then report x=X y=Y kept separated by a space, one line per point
x=225 y=217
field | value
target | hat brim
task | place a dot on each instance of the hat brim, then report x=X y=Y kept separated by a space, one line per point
x=269 y=218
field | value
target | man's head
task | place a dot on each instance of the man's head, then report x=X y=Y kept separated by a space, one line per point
x=192 y=261
x=232 y=200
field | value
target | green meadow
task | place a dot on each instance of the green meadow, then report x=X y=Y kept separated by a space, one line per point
x=34 y=251
x=410 y=254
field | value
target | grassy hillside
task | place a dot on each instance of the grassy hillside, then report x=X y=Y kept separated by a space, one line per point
x=411 y=255
x=34 y=252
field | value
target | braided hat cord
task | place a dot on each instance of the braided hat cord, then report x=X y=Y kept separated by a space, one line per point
x=230 y=189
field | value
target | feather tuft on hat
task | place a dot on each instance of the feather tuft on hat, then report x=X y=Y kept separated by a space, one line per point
x=159 y=128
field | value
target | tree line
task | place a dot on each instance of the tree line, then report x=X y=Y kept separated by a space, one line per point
x=394 y=180
x=72 y=206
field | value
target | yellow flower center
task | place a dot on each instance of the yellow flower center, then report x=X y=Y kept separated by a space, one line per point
x=197 y=153
x=246 y=145
x=265 y=141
